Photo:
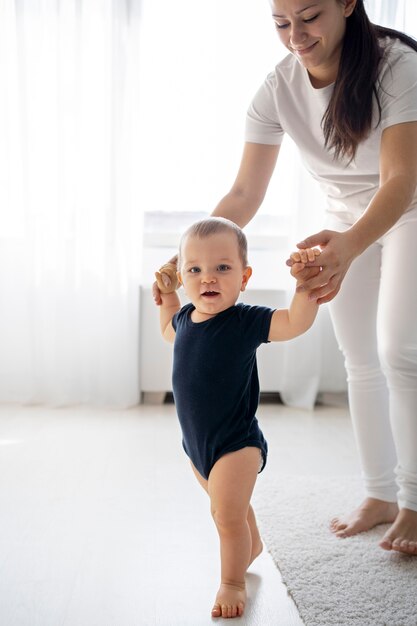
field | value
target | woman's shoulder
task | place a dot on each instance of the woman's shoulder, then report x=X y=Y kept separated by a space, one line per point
x=399 y=64
x=286 y=72
x=396 y=51
x=286 y=68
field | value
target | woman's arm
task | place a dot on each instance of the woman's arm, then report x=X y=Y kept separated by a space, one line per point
x=398 y=180
x=252 y=180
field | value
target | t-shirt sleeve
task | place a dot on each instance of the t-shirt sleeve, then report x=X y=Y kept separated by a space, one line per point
x=180 y=315
x=398 y=92
x=174 y=320
x=256 y=322
x=262 y=121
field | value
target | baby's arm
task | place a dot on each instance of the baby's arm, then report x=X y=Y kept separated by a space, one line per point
x=170 y=304
x=289 y=323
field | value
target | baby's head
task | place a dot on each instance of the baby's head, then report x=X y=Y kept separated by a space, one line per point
x=213 y=226
x=213 y=265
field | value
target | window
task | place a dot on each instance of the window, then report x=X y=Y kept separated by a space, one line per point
x=201 y=64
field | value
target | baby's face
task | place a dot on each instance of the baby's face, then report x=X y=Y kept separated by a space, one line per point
x=212 y=272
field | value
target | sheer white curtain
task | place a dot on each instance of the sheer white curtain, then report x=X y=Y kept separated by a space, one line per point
x=70 y=222
x=305 y=357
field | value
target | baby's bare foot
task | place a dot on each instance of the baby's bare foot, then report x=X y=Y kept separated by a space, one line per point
x=402 y=536
x=369 y=514
x=230 y=601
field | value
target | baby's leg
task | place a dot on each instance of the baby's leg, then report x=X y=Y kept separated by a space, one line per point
x=230 y=487
x=257 y=545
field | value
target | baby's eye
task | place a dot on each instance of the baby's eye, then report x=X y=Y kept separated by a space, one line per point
x=194 y=270
x=223 y=268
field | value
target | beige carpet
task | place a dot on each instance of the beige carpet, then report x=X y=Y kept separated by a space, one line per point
x=334 y=582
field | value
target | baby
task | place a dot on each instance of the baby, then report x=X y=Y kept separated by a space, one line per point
x=215 y=383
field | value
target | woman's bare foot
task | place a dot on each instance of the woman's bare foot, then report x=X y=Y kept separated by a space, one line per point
x=230 y=601
x=402 y=536
x=369 y=514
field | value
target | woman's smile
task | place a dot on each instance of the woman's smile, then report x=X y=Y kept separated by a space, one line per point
x=306 y=50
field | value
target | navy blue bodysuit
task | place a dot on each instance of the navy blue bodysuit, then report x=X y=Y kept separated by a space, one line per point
x=215 y=382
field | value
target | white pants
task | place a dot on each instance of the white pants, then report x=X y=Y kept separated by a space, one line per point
x=375 y=321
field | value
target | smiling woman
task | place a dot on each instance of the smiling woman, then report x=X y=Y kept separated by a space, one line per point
x=313 y=31
x=347 y=95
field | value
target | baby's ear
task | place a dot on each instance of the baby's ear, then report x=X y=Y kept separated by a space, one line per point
x=179 y=279
x=246 y=275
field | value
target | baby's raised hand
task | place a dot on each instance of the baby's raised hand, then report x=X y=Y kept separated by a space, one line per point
x=300 y=258
x=166 y=278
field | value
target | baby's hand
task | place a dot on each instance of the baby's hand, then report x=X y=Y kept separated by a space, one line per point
x=300 y=258
x=166 y=278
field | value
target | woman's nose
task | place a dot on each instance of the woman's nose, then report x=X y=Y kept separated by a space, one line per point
x=298 y=35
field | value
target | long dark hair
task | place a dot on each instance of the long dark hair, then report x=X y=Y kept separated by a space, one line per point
x=348 y=117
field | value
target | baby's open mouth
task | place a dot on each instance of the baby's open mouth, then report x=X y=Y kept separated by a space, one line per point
x=210 y=294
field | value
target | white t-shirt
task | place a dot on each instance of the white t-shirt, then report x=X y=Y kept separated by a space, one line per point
x=288 y=103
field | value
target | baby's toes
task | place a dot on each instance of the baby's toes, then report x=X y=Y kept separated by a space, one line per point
x=216 y=611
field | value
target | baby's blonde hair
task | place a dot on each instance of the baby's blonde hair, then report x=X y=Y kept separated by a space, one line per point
x=212 y=226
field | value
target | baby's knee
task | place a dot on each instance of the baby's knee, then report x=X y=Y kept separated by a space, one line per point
x=227 y=519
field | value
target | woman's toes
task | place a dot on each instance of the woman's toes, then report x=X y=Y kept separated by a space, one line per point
x=386 y=543
x=336 y=525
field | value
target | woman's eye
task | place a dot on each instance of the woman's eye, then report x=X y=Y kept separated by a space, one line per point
x=311 y=19
x=306 y=21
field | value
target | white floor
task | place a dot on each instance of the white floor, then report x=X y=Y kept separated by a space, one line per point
x=103 y=524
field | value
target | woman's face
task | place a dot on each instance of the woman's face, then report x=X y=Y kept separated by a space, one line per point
x=313 y=31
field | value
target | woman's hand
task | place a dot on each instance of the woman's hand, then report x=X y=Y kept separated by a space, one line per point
x=334 y=261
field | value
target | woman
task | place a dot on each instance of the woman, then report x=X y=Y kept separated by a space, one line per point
x=347 y=95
